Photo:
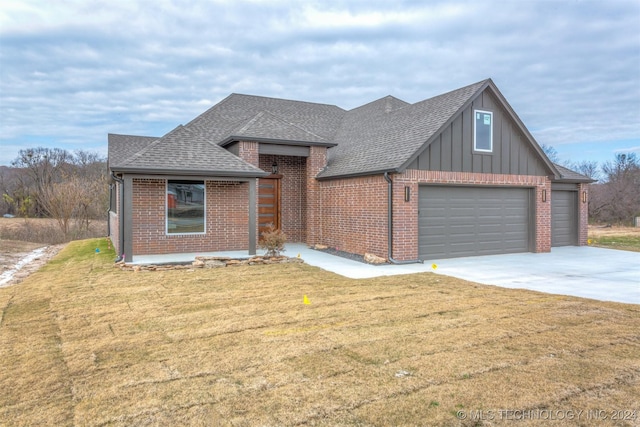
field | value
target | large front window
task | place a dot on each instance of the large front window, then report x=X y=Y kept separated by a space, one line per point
x=185 y=207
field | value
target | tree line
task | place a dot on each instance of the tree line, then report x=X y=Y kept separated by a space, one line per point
x=615 y=196
x=70 y=187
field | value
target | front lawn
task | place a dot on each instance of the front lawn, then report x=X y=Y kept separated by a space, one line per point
x=83 y=343
x=623 y=238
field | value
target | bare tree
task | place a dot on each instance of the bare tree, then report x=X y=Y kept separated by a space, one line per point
x=551 y=152
x=587 y=168
x=61 y=201
x=43 y=167
x=617 y=199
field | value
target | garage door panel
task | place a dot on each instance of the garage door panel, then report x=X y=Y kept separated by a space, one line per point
x=468 y=221
x=564 y=217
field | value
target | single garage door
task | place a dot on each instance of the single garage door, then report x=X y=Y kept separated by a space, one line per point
x=469 y=221
x=564 y=218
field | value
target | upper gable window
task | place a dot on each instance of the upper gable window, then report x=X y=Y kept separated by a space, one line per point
x=185 y=207
x=483 y=131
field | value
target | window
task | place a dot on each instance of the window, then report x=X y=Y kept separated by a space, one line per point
x=483 y=131
x=185 y=207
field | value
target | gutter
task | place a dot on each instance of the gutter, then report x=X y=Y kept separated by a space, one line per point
x=120 y=256
x=390 y=225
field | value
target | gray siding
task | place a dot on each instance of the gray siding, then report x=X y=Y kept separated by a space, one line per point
x=452 y=150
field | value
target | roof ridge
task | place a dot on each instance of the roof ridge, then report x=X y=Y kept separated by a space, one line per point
x=282 y=99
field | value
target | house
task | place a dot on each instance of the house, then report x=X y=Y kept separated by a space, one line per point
x=454 y=175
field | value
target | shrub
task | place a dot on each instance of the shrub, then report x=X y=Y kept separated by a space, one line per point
x=273 y=241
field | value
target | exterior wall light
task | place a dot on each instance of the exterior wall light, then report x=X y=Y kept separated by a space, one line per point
x=407 y=193
x=544 y=195
x=584 y=196
x=274 y=168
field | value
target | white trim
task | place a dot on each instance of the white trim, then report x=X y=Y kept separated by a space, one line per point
x=166 y=208
x=475 y=148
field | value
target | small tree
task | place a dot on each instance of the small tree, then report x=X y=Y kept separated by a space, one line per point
x=273 y=241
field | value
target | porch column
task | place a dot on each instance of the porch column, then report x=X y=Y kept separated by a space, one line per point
x=315 y=162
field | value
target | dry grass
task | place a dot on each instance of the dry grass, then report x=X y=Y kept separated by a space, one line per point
x=46 y=230
x=83 y=343
x=623 y=238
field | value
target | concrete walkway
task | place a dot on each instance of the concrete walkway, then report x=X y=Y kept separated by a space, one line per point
x=588 y=272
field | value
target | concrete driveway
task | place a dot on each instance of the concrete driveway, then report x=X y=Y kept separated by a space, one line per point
x=588 y=272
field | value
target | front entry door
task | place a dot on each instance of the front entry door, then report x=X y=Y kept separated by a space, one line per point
x=268 y=203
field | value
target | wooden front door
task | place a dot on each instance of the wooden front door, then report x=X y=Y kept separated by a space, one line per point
x=268 y=203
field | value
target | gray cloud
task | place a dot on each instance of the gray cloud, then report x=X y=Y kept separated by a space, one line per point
x=72 y=73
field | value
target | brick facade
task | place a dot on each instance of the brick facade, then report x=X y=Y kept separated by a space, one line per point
x=583 y=214
x=355 y=210
x=349 y=213
x=315 y=162
x=354 y=215
x=226 y=219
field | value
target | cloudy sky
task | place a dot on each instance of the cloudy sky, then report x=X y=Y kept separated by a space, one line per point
x=72 y=71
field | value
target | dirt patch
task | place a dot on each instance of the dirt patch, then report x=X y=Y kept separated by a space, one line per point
x=13 y=251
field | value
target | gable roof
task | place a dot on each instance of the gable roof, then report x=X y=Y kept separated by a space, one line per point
x=183 y=151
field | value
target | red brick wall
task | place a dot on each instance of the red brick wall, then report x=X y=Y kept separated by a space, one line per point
x=354 y=215
x=583 y=215
x=248 y=151
x=293 y=193
x=316 y=161
x=355 y=210
x=227 y=215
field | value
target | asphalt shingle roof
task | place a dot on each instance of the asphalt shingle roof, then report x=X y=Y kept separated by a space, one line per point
x=257 y=116
x=184 y=151
x=383 y=135
x=123 y=147
x=569 y=175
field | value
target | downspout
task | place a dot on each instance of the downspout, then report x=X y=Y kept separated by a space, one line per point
x=390 y=225
x=121 y=219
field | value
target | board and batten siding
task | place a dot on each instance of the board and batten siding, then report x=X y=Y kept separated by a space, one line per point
x=452 y=150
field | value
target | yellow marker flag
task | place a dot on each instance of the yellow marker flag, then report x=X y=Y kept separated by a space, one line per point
x=434 y=266
x=589 y=242
x=305 y=300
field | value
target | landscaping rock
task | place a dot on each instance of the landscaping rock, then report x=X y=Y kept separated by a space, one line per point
x=210 y=262
x=320 y=247
x=374 y=259
x=214 y=263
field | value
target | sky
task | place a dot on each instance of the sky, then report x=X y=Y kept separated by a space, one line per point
x=72 y=71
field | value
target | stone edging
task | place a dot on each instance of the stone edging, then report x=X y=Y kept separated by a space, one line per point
x=210 y=262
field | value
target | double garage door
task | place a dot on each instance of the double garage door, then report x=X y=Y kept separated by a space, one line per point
x=470 y=221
